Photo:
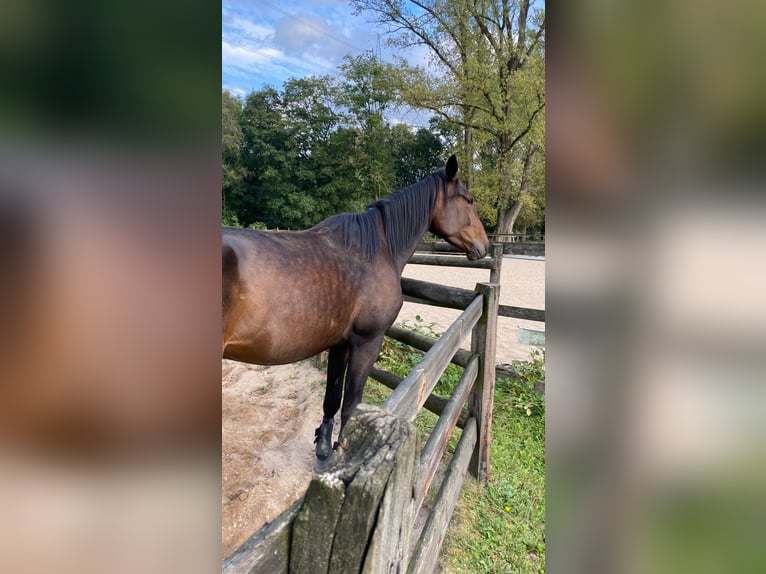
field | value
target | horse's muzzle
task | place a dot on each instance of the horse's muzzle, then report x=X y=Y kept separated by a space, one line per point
x=477 y=252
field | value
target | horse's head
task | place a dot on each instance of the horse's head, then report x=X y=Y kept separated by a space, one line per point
x=455 y=218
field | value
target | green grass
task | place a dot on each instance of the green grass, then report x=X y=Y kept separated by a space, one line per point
x=501 y=527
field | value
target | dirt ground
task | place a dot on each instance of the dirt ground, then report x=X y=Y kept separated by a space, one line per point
x=270 y=413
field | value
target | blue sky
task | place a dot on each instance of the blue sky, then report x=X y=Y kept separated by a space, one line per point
x=265 y=42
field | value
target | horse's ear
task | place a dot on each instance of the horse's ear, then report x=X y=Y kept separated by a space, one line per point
x=451 y=167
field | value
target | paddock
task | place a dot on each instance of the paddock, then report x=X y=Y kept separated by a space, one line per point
x=265 y=470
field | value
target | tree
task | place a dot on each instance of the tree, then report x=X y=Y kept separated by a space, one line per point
x=368 y=92
x=232 y=172
x=317 y=147
x=415 y=154
x=490 y=81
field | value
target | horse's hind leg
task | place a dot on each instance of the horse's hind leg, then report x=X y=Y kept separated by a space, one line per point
x=363 y=356
x=336 y=368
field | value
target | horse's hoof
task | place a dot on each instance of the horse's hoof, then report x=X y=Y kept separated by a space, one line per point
x=321 y=464
x=322 y=438
x=323 y=450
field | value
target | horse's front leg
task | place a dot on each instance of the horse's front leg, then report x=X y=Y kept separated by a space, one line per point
x=336 y=368
x=364 y=353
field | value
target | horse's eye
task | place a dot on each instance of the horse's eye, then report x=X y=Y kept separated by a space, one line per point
x=469 y=199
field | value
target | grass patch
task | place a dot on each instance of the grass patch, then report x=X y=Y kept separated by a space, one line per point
x=500 y=528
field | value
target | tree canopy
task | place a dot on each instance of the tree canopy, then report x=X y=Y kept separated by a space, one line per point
x=323 y=145
x=317 y=147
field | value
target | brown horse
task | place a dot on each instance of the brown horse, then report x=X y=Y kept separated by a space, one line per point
x=289 y=295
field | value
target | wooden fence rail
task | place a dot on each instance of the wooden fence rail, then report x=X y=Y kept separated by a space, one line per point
x=428 y=293
x=533 y=248
x=450 y=261
x=430 y=541
x=408 y=398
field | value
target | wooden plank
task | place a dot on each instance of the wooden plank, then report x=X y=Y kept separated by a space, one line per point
x=496 y=253
x=335 y=525
x=408 y=398
x=427 y=293
x=484 y=343
x=411 y=299
x=424 y=343
x=461 y=358
x=268 y=550
x=521 y=313
x=440 y=435
x=439 y=295
x=426 y=552
x=449 y=261
x=439 y=247
x=536 y=248
x=389 y=549
x=312 y=538
x=434 y=403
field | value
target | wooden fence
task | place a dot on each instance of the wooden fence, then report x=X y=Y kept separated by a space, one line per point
x=522 y=237
x=428 y=293
x=518 y=246
x=358 y=515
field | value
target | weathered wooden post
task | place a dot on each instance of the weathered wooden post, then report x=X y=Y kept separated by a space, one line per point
x=484 y=344
x=357 y=515
x=496 y=252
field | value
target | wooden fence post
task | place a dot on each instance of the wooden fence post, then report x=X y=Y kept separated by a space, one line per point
x=484 y=343
x=357 y=515
x=496 y=252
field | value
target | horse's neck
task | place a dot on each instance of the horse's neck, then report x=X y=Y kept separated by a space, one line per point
x=408 y=240
x=403 y=256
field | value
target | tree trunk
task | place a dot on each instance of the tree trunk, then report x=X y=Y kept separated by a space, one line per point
x=467 y=175
x=506 y=215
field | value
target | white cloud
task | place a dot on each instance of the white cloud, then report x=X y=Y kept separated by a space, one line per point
x=251 y=30
x=236 y=55
x=311 y=35
x=273 y=40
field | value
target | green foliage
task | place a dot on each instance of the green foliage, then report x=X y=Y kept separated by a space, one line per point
x=319 y=146
x=229 y=219
x=526 y=375
x=486 y=81
x=295 y=156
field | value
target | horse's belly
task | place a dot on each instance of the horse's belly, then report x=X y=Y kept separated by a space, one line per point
x=276 y=336
x=269 y=352
x=258 y=355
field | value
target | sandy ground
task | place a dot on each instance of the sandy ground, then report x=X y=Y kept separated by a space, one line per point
x=522 y=284
x=270 y=413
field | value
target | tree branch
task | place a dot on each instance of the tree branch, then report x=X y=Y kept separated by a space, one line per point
x=525 y=131
x=536 y=39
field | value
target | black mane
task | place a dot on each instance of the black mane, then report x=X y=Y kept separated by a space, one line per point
x=403 y=213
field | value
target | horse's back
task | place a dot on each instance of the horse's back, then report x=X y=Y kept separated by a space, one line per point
x=289 y=295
